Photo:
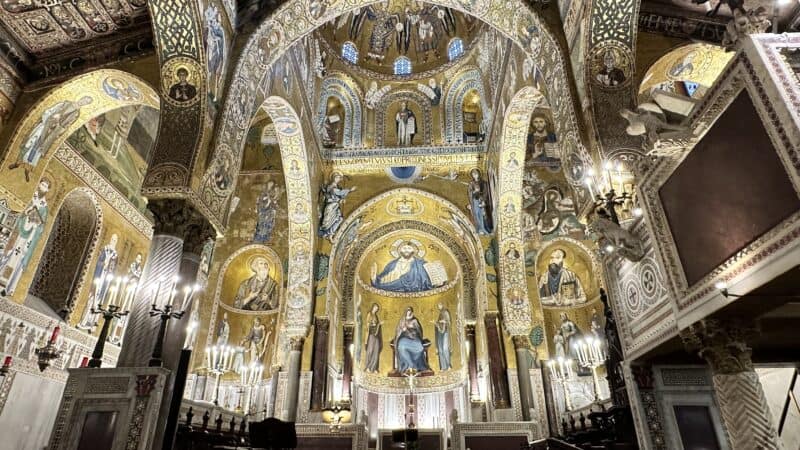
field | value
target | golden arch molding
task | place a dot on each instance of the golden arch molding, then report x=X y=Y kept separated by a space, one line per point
x=293 y=21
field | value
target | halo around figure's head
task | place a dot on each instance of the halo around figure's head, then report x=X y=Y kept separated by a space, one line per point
x=418 y=246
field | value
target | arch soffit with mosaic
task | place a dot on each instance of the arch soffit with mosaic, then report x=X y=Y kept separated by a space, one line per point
x=465 y=81
x=178 y=34
x=292 y=21
x=468 y=253
x=611 y=26
x=405 y=95
x=294 y=156
x=345 y=89
x=511 y=157
x=88 y=85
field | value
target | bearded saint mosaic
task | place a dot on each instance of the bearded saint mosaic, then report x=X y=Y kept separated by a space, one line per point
x=408 y=271
x=258 y=292
x=559 y=285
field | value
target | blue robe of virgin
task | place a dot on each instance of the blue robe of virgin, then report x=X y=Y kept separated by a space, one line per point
x=415 y=280
x=410 y=348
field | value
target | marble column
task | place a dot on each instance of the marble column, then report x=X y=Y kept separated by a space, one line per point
x=293 y=377
x=744 y=409
x=521 y=351
x=497 y=362
x=347 y=369
x=319 y=377
x=472 y=363
x=175 y=222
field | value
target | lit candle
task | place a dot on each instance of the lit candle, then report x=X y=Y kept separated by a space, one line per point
x=157 y=287
x=214 y=352
x=54 y=336
x=589 y=185
x=608 y=166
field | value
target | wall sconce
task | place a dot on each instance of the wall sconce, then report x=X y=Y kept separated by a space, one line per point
x=49 y=352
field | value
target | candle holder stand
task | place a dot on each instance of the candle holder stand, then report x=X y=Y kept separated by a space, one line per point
x=164 y=314
x=109 y=313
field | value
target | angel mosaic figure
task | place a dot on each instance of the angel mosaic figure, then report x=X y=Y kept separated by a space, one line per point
x=333 y=197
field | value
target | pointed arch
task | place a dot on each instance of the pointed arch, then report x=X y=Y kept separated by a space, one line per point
x=301 y=204
x=295 y=20
x=74 y=103
x=348 y=248
x=71 y=244
x=348 y=93
x=511 y=162
x=461 y=84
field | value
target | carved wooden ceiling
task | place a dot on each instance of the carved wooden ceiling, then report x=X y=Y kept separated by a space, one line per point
x=46 y=38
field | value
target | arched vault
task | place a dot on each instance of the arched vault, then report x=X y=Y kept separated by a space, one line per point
x=76 y=101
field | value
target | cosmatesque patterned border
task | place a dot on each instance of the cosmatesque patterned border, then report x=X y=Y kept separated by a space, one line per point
x=742 y=75
x=86 y=172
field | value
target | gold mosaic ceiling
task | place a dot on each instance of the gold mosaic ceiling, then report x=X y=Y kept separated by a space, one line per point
x=387 y=30
x=47 y=26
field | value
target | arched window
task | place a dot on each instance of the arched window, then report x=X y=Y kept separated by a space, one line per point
x=402 y=66
x=455 y=49
x=350 y=52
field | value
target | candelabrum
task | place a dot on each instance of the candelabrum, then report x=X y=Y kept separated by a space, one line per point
x=110 y=313
x=249 y=377
x=591 y=355
x=164 y=311
x=109 y=290
x=602 y=190
x=219 y=361
x=561 y=372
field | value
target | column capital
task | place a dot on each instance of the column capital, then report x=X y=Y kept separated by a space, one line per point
x=520 y=341
x=296 y=343
x=722 y=343
x=348 y=332
x=177 y=217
